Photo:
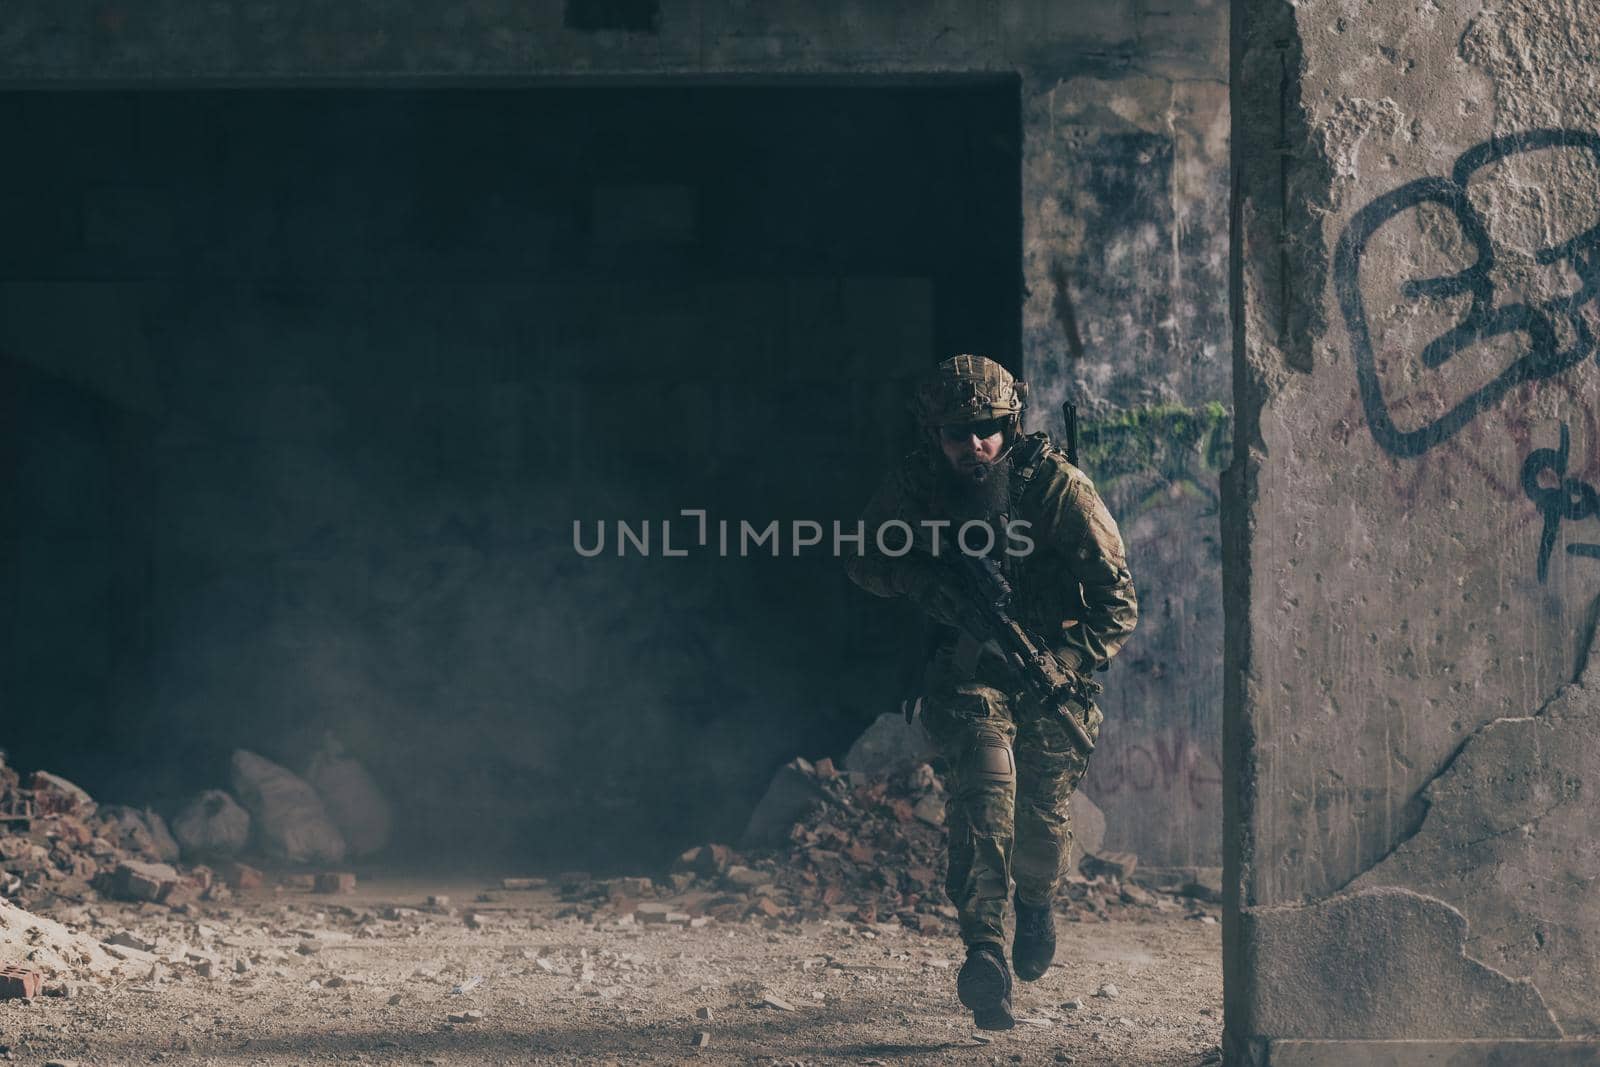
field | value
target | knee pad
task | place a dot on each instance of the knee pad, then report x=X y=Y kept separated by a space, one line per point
x=989 y=761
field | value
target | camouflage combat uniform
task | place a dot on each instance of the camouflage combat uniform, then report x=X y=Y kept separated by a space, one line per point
x=1012 y=766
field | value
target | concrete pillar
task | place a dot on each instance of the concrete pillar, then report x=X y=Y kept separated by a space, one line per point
x=1412 y=534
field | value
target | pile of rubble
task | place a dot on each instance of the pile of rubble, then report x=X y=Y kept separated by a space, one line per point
x=59 y=848
x=871 y=848
x=39 y=955
x=65 y=857
x=146 y=946
x=867 y=848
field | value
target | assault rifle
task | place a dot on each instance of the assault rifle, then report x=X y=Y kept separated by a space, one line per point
x=1055 y=686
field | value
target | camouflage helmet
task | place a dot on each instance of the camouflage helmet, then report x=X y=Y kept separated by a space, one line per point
x=968 y=388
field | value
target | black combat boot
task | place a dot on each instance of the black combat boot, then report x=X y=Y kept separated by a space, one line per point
x=1035 y=944
x=984 y=985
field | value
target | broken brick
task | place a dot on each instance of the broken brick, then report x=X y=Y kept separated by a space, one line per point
x=335 y=882
x=522 y=883
x=133 y=880
x=242 y=876
x=19 y=982
x=54 y=795
x=180 y=894
x=745 y=877
x=70 y=830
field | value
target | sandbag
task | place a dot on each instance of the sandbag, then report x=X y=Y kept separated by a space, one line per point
x=353 y=800
x=212 y=824
x=290 y=821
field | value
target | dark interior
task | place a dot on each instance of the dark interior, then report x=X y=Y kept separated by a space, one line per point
x=316 y=383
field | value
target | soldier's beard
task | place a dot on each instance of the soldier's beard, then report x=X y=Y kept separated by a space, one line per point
x=982 y=493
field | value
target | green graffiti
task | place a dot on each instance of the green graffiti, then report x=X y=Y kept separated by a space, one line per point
x=1151 y=455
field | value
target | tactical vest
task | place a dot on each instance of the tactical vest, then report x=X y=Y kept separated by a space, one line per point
x=1028 y=455
x=1026 y=458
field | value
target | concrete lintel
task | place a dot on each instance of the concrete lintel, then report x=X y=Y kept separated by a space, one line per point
x=1497 y=1053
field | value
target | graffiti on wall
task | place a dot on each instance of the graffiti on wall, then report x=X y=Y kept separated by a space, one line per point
x=1550 y=332
x=1170 y=762
x=1158 y=467
x=1149 y=457
x=1567 y=500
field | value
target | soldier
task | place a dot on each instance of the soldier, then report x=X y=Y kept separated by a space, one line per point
x=1012 y=762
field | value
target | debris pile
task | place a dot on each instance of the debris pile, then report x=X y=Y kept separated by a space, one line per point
x=869 y=849
x=35 y=951
x=155 y=946
x=58 y=847
x=874 y=850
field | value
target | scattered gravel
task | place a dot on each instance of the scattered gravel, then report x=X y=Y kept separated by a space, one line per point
x=576 y=990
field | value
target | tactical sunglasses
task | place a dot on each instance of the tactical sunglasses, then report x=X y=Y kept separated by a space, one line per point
x=961 y=431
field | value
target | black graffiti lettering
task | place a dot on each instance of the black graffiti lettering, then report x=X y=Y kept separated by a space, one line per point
x=1543 y=359
x=1568 y=500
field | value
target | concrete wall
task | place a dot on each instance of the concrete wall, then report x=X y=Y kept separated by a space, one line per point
x=1124 y=200
x=1124 y=130
x=1412 y=575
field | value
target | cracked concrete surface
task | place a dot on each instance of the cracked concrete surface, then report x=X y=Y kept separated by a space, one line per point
x=1509 y=841
x=1389 y=963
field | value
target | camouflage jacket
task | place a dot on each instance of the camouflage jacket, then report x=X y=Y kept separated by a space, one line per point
x=1073 y=590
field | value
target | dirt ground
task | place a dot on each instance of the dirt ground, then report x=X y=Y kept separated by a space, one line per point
x=302 y=978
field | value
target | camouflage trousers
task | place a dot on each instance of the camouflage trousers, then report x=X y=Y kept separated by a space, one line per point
x=1011 y=770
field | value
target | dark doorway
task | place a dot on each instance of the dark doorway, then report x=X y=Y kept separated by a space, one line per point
x=305 y=390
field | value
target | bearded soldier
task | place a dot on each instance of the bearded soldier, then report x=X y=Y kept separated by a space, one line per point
x=1013 y=759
